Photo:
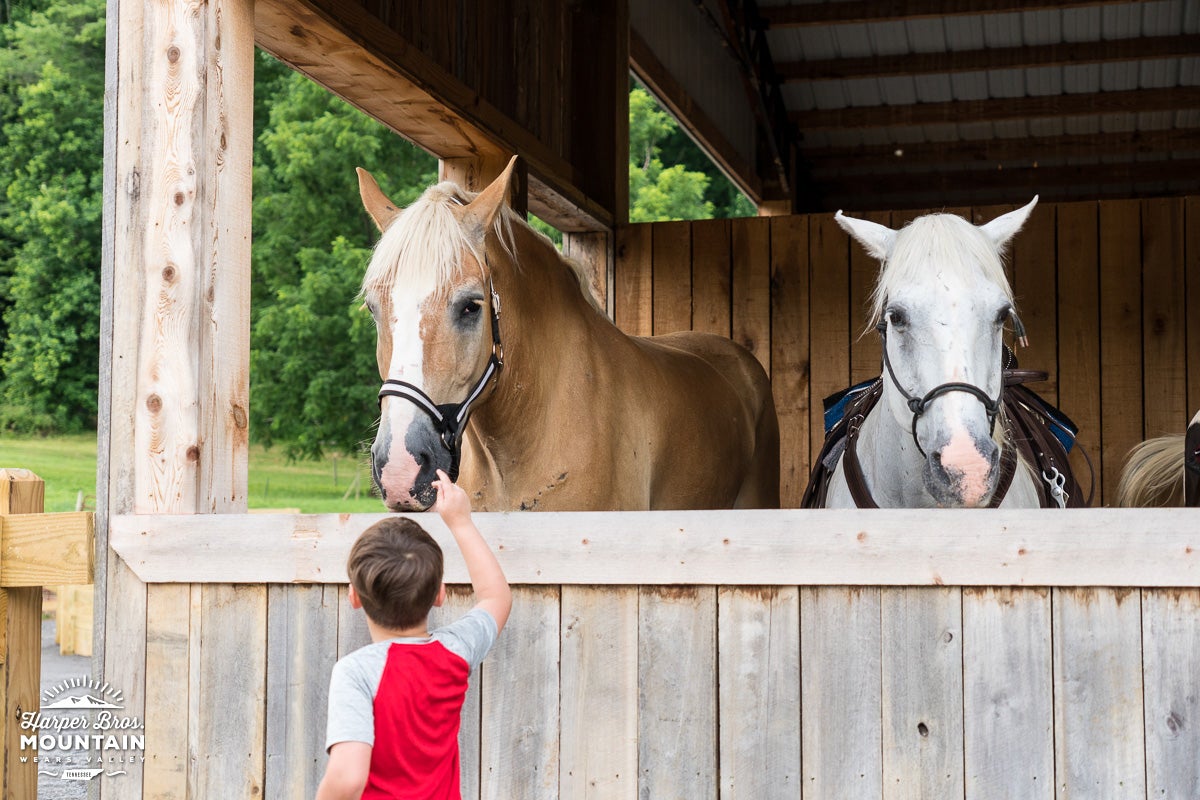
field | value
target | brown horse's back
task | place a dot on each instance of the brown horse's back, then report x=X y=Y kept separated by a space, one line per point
x=724 y=391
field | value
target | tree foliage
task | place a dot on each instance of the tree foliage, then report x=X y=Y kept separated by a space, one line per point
x=691 y=188
x=313 y=377
x=53 y=70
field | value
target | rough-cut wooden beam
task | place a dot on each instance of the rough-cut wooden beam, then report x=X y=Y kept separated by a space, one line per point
x=1048 y=55
x=415 y=97
x=1036 y=179
x=1122 y=102
x=174 y=425
x=46 y=549
x=1002 y=151
x=858 y=11
x=1085 y=547
x=736 y=166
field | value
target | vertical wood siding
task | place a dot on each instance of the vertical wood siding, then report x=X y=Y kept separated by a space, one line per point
x=1102 y=288
x=786 y=692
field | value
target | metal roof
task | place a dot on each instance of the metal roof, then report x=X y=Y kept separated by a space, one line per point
x=934 y=103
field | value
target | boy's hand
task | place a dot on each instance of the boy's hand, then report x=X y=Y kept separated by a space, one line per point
x=452 y=503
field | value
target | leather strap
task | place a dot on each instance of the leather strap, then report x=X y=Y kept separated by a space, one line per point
x=1191 y=466
x=856 y=482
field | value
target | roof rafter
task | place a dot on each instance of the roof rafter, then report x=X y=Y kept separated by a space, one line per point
x=956 y=111
x=993 y=151
x=1035 y=179
x=1065 y=54
x=858 y=11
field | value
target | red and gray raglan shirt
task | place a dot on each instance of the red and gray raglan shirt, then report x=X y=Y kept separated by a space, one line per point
x=404 y=697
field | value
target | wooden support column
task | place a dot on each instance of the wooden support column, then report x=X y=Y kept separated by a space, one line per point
x=175 y=348
x=475 y=173
x=775 y=208
x=594 y=251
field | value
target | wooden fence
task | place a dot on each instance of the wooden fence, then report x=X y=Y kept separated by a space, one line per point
x=692 y=655
x=36 y=550
x=1102 y=287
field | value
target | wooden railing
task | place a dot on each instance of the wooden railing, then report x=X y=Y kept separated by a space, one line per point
x=36 y=550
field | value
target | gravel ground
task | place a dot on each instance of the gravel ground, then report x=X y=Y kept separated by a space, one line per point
x=56 y=669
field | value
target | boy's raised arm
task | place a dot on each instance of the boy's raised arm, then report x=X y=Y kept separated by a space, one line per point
x=487 y=578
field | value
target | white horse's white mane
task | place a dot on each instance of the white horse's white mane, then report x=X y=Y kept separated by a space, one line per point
x=937 y=243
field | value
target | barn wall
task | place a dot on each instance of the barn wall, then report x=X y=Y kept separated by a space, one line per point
x=767 y=692
x=1102 y=288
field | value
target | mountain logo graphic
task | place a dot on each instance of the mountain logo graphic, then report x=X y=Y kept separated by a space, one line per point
x=96 y=696
x=87 y=701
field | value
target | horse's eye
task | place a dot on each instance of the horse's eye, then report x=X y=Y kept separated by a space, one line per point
x=470 y=308
x=897 y=317
x=1003 y=315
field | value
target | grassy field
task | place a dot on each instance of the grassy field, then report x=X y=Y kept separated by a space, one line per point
x=68 y=466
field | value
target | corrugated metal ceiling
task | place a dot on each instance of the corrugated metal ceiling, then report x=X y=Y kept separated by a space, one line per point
x=926 y=109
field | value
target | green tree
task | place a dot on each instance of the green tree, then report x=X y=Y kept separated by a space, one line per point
x=657 y=192
x=692 y=188
x=313 y=369
x=53 y=71
x=313 y=377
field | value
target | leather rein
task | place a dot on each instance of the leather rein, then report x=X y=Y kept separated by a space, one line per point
x=856 y=481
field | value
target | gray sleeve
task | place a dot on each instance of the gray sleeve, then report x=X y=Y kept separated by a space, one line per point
x=469 y=637
x=352 y=688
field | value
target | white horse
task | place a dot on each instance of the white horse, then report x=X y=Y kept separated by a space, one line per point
x=937 y=437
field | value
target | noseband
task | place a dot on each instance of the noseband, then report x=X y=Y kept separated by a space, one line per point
x=450 y=419
x=918 y=405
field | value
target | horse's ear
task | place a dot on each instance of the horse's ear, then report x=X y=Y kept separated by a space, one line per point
x=381 y=209
x=1004 y=227
x=876 y=238
x=497 y=196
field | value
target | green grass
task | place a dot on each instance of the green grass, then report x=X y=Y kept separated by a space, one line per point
x=68 y=466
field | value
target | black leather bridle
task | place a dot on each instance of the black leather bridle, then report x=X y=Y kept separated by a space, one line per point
x=918 y=405
x=1191 y=466
x=450 y=419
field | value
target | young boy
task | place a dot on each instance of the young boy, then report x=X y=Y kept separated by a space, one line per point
x=394 y=705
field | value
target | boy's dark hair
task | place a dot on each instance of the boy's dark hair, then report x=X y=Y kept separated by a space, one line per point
x=396 y=569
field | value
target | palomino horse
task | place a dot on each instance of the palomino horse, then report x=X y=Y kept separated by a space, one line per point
x=492 y=352
x=937 y=435
x=1164 y=471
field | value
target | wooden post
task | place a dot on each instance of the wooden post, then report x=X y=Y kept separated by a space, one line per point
x=475 y=173
x=174 y=413
x=594 y=251
x=775 y=208
x=21 y=492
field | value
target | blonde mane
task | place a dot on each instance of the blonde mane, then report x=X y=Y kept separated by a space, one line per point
x=951 y=243
x=1153 y=474
x=427 y=241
